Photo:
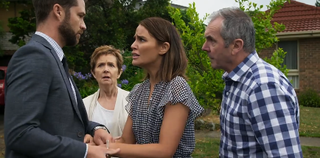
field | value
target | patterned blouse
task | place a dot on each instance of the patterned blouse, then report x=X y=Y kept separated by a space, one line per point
x=147 y=120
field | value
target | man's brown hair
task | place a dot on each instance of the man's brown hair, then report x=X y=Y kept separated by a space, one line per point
x=42 y=8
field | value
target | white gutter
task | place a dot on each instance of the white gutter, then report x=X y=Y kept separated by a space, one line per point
x=300 y=34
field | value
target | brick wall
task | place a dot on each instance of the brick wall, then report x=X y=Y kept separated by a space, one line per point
x=309 y=63
x=5 y=44
x=8 y=48
x=267 y=52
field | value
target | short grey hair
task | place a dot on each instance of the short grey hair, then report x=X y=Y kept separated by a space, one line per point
x=236 y=24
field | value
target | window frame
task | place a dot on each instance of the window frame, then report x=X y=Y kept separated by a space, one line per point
x=293 y=72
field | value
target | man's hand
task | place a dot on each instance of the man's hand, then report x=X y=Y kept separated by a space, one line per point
x=88 y=139
x=101 y=136
x=100 y=152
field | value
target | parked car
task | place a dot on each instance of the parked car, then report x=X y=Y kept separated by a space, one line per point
x=3 y=71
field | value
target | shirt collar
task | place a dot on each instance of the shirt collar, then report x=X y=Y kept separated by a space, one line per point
x=53 y=43
x=242 y=68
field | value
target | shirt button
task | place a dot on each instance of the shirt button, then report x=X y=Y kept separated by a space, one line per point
x=227 y=93
x=80 y=134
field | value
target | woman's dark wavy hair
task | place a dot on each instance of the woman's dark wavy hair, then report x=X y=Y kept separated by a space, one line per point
x=174 y=62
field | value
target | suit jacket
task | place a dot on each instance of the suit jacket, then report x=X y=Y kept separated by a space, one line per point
x=42 y=118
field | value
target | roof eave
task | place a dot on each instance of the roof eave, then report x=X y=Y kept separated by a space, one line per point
x=299 y=34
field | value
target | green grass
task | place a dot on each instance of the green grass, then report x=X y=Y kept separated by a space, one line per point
x=209 y=147
x=310 y=151
x=309 y=127
x=206 y=147
x=309 y=122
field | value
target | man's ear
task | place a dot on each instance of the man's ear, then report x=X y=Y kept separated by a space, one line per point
x=164 y=48
x=58 y=12
x=237 y=46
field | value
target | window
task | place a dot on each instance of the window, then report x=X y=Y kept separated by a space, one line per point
x=294 y=79
x=291 y=61
x=291 y=57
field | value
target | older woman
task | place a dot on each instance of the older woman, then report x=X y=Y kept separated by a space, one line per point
x=107 y=105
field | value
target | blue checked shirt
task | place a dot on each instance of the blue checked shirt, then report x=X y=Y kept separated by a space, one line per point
x=259 y=112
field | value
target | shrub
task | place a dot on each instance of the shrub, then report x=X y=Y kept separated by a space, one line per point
x=205 y=82
x=277 y=60
x=309 y=98
x=88 y=88
x=131 y=75
x=208 y=92
x=85 y=83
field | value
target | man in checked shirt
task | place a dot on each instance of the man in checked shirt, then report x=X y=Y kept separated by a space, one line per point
x=259 y=114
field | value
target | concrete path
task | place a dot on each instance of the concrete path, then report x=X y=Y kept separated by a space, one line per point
x=305 y=141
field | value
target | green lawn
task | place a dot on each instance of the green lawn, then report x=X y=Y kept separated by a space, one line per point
x=309 y=122
x=206 y=147
x=309 y=126
x=209 y=147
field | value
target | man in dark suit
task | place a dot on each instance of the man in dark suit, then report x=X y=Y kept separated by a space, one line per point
x=44 y=115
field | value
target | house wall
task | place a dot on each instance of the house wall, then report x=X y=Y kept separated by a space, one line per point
x=6 y=45
x=267 y=52
x=309 y=63
x=8 y=48
x=12 y=11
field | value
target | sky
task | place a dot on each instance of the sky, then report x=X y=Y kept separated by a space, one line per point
x=208 y=6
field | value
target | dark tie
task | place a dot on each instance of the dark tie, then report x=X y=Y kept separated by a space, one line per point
x=66 y=69
x=65 y=66
x=81 y=107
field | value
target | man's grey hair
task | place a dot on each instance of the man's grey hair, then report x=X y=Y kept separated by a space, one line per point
x=236 y=25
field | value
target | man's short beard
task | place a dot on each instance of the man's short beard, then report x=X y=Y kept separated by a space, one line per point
x=67 y=33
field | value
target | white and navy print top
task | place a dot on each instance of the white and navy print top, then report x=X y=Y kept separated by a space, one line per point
x=147 y=119
x=259 y=112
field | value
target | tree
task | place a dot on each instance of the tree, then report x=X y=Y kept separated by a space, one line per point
x=154 y=8
x=317 y=3
x=108 y=23
x=265 y=30
x=205 y=82
x=22 y=27
x=3 y=4
x=115 y=23
x=2 y=32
